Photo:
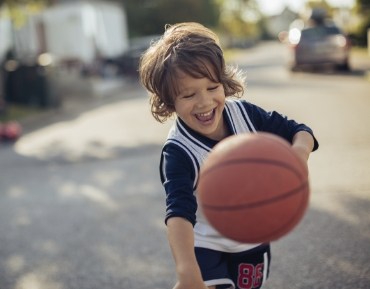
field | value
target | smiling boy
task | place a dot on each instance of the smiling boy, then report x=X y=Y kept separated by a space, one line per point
x=186 y=76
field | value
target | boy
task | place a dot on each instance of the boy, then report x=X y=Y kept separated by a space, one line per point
x=185 y=74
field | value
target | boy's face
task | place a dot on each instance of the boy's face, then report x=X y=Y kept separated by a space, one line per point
x=200 y=104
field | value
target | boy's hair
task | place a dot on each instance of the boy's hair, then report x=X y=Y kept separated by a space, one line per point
x=192 y=49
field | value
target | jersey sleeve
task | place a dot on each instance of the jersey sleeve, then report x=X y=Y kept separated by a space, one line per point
x=276 y=123
x=177 y=176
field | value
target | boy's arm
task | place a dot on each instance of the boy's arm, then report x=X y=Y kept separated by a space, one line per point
x=303 y=143
x=181 y=238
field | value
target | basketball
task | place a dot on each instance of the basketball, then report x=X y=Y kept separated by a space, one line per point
x=253 y=188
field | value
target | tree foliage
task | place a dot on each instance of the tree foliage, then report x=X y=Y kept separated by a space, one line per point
x=13 y=3
x=239 y=21
x=363 y=9
x=146 y=17
x=363 y=6
x=16 y=9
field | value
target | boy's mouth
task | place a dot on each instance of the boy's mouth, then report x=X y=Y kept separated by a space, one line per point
x=207 y=116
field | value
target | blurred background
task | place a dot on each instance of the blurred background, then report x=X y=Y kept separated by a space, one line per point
x=46 y=44
x=81 y=204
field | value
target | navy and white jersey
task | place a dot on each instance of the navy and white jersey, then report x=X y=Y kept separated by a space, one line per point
x=184 y=152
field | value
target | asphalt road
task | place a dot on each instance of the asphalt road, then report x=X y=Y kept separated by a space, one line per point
x=81 y=205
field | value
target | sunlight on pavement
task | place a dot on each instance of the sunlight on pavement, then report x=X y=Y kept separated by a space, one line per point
x=90 y=193
x=345 y=266
x=22 y=218
x=16 y=192
x=37 y=281
x=343 y=188
x=334 y=204
x=14 y=264
x=96 y=133
x=108 y=177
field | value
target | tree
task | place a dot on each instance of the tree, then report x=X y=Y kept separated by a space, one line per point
x=363 y=6
x=363 y=9
x=17 y=8
x=239 y=21
x=237 y=18
x=147 y=17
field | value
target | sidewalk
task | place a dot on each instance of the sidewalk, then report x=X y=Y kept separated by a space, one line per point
x=76 y=100
x=81 y=95
x=96 y=126
x=360 y=61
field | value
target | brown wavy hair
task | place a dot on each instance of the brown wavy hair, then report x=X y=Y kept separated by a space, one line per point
x=193 y=49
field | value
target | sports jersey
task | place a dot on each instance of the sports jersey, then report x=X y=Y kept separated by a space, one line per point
x=184 y=152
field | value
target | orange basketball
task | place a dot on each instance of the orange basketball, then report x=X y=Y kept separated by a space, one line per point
x=253 y=188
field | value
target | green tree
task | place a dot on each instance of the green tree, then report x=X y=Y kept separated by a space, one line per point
x=363 y=6
x=363 y=9
x=18 y=9
x=239 y=21
x=13 y=3
x=146 y=17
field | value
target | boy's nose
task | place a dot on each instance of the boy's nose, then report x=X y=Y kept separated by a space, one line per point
x=204 y=99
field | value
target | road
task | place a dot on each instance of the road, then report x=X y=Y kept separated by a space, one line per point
x=81 y=205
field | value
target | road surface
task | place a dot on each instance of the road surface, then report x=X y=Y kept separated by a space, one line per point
x=81 y=205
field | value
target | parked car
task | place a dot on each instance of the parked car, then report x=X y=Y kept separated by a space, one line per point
x=319 y=45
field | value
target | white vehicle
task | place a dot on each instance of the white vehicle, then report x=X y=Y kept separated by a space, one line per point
x=85 y=31
x=81 y=31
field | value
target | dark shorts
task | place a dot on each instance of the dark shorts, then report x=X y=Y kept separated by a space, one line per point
x=242 y=270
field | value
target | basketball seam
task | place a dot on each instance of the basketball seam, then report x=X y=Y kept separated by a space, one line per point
x=287 y=148
x=299 y=211
x=252 y=160
x=286 y=225
x=257 y=204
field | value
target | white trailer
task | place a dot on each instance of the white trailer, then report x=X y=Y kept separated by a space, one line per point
x=82 y=31
x=85 y=30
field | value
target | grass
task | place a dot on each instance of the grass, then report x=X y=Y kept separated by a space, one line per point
x=231 y=53
x=360 y=51
x=15 y=112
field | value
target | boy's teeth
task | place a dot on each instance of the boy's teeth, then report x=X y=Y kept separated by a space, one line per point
x=205 y=114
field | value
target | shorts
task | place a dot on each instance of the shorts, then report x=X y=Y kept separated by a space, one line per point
x=242 y=270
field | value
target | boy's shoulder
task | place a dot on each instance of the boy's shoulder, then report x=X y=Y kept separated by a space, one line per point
x=174 y=132
x=240 y=106
x=237 y=102
x=230 y=101
x=244 y=101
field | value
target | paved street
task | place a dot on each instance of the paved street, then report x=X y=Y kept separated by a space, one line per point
x=81 y=205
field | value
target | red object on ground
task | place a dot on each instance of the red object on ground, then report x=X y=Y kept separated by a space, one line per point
x=10 y=131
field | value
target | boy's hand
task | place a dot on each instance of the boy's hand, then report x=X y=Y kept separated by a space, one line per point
x=181 y=238
x=189 y=277
x=303 y=156
x=303 y=143
x=302 y=153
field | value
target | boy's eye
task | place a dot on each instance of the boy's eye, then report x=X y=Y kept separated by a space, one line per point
x=213 y=87
x=189 y=95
